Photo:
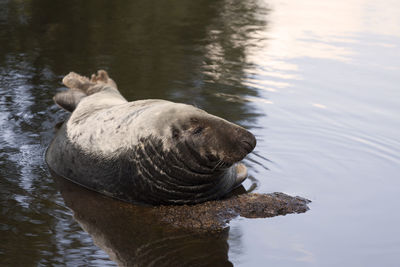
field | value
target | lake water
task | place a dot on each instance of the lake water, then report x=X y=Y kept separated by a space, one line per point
x=317 y=82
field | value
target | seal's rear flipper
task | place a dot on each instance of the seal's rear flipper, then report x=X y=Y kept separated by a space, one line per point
x=69 y=99
x=75 y=81
x=102 y=77
x=81 y=86
x=96 y=83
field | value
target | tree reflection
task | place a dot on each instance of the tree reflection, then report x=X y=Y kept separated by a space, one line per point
x=185 y=51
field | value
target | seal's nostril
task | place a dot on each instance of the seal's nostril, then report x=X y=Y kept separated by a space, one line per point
x=249 y=143
x=247 y=146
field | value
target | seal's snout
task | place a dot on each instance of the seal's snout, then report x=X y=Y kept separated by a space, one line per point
x=248 y=142
x=241 y=143
x=248 y=145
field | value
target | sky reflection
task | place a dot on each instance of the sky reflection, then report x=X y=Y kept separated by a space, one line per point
x=331 y=71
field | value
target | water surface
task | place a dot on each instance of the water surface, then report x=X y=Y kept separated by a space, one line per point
x=317 y=83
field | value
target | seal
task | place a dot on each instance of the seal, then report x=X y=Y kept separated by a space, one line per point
x=146 y=151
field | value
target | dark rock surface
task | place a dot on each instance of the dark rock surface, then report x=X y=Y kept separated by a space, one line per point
x=214 y=215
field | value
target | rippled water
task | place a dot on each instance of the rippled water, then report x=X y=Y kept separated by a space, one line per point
x=317 y=82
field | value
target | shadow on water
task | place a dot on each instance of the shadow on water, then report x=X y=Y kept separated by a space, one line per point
x=185 y=51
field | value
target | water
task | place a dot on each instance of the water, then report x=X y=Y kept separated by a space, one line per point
x=316 y=82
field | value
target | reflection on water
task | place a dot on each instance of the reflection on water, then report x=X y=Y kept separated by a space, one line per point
x=325 y=73
x=133 y=236
x=178 y=50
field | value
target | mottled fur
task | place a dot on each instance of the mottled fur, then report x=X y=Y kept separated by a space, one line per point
x=151 y=151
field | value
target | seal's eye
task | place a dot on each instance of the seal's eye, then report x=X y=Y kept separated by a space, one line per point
x=198 y=130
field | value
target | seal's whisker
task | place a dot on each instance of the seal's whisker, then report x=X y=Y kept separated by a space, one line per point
x=216 y=165
x=221 y=164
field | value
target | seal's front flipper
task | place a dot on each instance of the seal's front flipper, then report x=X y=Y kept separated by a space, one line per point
x=69 y=99
x=241 y=171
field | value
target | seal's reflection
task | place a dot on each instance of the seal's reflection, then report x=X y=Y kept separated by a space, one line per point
x=133 y=236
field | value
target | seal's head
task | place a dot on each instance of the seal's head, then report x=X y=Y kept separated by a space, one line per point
x=209 y=140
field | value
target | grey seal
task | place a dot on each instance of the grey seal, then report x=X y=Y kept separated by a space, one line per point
x=146 y=151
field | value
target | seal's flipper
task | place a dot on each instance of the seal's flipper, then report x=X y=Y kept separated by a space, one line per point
x=102 y=76
x=69 y=99
x=96 y=83
x=76 y=81
x=241 y=171
x=100 y=82
x=81 y=86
